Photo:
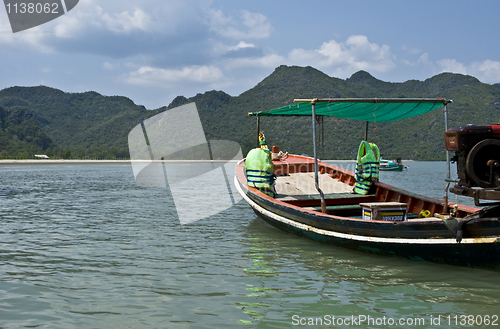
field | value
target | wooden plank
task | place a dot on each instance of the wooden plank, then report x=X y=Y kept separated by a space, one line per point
x=337 y=208
x=331 y=200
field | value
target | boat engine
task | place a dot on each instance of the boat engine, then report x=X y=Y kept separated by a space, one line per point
x=477 y=154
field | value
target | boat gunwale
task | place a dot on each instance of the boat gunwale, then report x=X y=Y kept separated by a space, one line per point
x=284 y=203
x=357 y=237
x=382 y=186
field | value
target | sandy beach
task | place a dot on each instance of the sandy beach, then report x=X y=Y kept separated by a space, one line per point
x=57 y=161
x=77 y=161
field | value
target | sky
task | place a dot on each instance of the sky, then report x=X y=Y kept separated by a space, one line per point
x=154 y=50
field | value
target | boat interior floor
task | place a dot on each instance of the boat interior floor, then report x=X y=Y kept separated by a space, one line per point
x=293 y=186
x=299 y=189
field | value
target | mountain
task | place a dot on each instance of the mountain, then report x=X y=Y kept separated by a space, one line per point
x=20 y=132
x=419 y=138
x=78 y=123
x=90 y=124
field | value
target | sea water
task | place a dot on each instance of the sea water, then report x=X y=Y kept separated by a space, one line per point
x=83 y=246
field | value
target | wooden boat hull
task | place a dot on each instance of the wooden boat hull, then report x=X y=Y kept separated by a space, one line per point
x=429 y=239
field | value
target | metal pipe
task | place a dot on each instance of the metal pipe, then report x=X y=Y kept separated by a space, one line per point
x=315 y=147
x=373 y=100
x=366 y=131
x=448 y=170
x=447 y=152
x=258 y=130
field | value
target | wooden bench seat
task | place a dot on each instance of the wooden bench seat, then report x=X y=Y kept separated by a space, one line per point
x=331 y=199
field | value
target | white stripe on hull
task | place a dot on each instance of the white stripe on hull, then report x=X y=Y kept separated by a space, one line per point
x=316 y=230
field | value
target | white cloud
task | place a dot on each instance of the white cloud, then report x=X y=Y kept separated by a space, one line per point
x=264 y=62
x=345 y=58
x=241 y=45
x=90 y=18
x=487 y=71
x=109 y=66
x=69 y=27
x=97 y=19
x=257 y=24
x=125 y=22
x=28 y=40
x=151 y=76
x=411 y=50
x=252 y=26
x=422 y=61
x=451 y=65
x=87 y=19
x=177 y=34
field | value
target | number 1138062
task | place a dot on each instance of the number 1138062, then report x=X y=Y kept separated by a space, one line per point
x=32 y=8
x=472 y=320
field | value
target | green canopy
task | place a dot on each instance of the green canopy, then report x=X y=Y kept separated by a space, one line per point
x=374 y=110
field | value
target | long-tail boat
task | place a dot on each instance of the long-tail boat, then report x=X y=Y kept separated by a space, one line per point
x=315 y=199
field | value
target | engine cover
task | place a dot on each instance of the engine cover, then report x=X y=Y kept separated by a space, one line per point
x=477 y=153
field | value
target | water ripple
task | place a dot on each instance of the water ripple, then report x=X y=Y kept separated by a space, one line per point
x=84 y=246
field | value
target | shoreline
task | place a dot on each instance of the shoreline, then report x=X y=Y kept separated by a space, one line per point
x=59 y=161
x=77 y=161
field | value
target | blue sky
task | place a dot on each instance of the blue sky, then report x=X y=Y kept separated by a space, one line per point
x=154 y=50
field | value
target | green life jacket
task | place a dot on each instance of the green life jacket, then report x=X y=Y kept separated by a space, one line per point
x=367 y=167
x=259 y=169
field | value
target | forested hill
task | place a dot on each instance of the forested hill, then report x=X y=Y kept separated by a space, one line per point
x=49 y=121
x=420 y=138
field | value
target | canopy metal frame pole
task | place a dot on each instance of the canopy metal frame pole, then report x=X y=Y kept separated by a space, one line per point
x=258 y=130
x=447 y=152
x=315 y=150
x=448 y=170
x=285 y=111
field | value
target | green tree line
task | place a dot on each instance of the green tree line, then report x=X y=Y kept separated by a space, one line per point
x=44 y=120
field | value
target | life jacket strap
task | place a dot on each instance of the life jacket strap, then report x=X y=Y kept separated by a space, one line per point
x=264 y=176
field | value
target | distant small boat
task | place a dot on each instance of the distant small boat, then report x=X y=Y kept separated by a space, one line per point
x=388 y=165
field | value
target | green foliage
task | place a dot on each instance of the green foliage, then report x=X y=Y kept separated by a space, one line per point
x=89 y=125
x=20 y=134
x=420 y=138
x=76 y=123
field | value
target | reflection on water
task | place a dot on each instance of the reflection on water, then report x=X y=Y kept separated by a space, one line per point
x=84 y=246
x=341 y=282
